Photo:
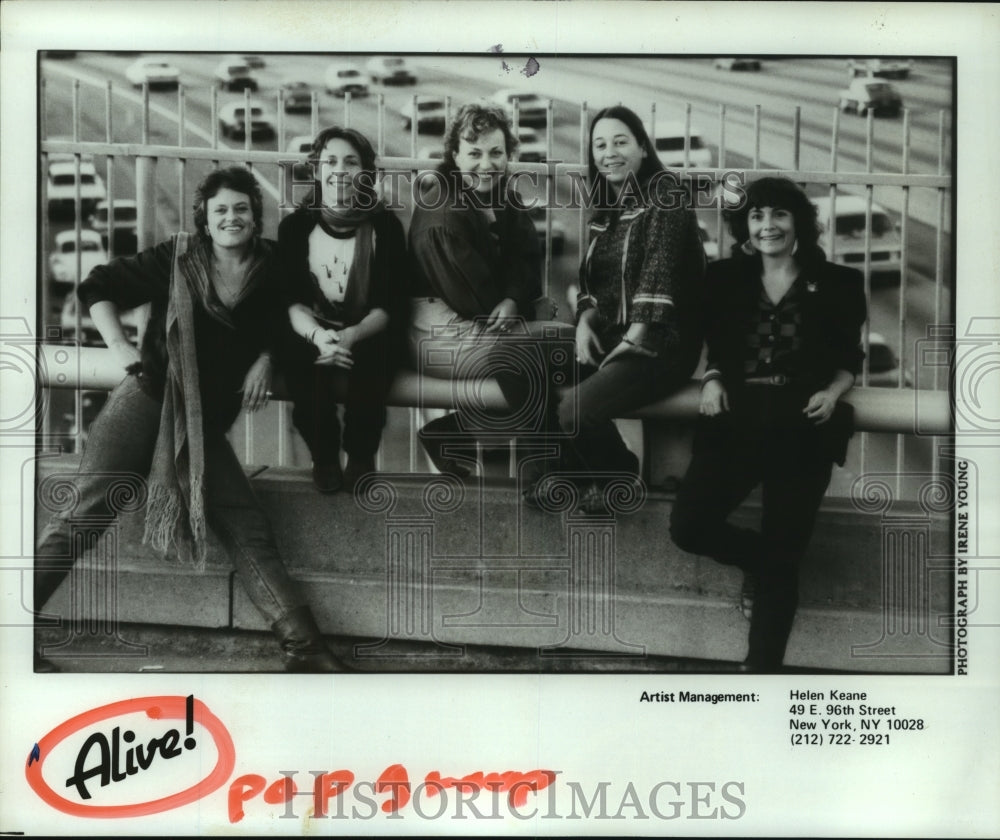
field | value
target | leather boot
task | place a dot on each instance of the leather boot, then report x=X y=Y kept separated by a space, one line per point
x=303 y=645
x=437 y=434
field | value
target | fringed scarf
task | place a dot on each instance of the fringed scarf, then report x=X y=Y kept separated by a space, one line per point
x=177 y=477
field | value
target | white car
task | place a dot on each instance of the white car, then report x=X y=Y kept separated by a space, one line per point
x=390 y=70
x=62 y=261
x=296 y=95
x=849 y=234
x=531 y=148
x=234 y=75
x=122 y=229
x=741 y=63
x=531 y=108
x=61 y=187
x=432 y=114
x=866 y=94
x=669 y=141
x=881 y=68
x=233 y=121
x=153 y=71
x=341 y=79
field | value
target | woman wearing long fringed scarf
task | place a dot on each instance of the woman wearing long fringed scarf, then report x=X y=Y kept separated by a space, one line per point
x=205 y=356
x=344 y=261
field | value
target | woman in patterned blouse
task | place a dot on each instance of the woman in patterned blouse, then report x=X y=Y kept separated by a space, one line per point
x=637 y=334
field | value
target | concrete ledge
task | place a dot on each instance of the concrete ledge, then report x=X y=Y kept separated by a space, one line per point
x=417 y=560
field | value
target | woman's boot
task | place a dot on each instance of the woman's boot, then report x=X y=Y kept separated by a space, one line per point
x=303 y=645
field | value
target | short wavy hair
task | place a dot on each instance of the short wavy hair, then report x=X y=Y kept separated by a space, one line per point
x=471 y=122
x=237 y=178
x=774 y=191
x=361 y=144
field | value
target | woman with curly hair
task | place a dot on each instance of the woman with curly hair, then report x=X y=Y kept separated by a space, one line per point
x=783 y=329
x=205 y=356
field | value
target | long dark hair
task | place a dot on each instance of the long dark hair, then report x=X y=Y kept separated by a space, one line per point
x=776 y=192
x=237 y=178
x=650 y=165
x=360 y=144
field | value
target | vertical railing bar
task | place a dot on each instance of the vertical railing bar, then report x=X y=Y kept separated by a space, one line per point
x=719 y=232
x=413 y=436
x=687 y=135
x=380 y=127
x=215 y=120
x=904 y=248
x=796 y=137
x=247 y=124
x=347 y=109
x=756 y=136
x=550 y=194
x=314 y=114
x=78 y=261
x=110 y=172
x=145 y=113
x=939 y=255
x=43 y=272
x=581 y=219
x=414 y=123
x=181 y=162
x=281 y=120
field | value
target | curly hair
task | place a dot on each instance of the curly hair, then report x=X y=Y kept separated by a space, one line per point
x=358 y=142
x=784 y=193
x=236 y=178
x=471 y=122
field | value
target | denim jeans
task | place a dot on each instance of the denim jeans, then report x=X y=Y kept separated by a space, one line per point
x=121 y=443
x=581 y=417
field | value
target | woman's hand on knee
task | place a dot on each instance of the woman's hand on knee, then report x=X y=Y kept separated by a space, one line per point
x=257 y=384
x=714 y=399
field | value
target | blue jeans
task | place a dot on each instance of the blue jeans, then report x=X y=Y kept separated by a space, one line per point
x=121 y=444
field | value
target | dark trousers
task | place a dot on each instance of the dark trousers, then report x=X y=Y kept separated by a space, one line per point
x=577 y=404
x=765 y=440
x=316 y=391
x=120 y=445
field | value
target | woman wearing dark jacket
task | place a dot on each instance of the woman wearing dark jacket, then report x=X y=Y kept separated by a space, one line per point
x=783 y=329
x=205 y=355
x=343 y=255
x=476 y=263
x=638 y=333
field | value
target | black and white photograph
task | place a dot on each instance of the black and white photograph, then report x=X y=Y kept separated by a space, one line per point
x=499 y=428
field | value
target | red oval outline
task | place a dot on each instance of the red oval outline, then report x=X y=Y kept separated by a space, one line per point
x=156 y=708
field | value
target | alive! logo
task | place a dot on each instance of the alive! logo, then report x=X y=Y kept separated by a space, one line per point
x=107 y=758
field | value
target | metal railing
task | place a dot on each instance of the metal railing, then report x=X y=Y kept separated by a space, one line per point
x=150 y=159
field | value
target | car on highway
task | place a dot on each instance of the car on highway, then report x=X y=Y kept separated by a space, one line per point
x=119 y=230
x=295 y=95
x=251 y=60
x=558 y=231
x=849 y=234
x=155 y=72
x=881 y=68
x=234 y=75
x=669 y=140
x=301 y=144
x=531 y=108
x=390 y=70
x=736 y=63
x=61 y=184
x=883 y=365
x=867 y=94
x=531 y=148
x=233 y=120
x=341 y=79
x=431 y=114
x=62 y=260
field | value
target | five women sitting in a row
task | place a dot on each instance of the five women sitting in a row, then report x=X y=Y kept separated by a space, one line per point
x=333 y=302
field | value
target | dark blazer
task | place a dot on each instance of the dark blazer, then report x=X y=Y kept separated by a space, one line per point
x=833 y=312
